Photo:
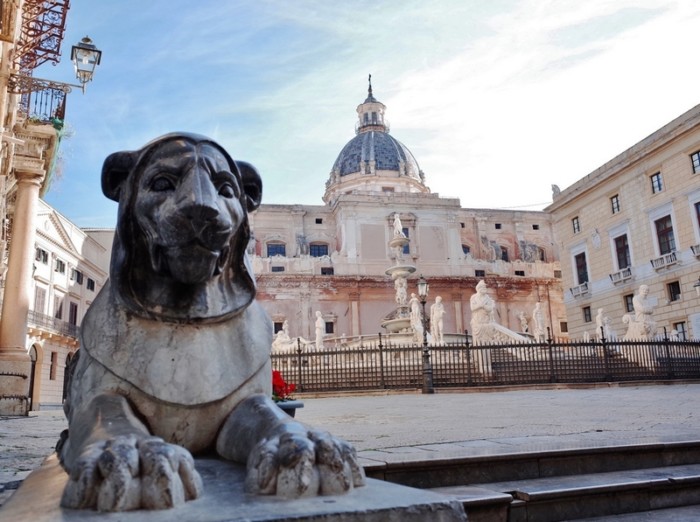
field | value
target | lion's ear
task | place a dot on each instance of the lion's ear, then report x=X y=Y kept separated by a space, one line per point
x=115 y=170
x=252 y=184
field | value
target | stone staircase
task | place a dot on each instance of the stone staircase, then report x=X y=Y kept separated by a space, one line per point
x=564 y=484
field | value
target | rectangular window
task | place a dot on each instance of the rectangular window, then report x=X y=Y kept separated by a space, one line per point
x=387 y=189
x=91 y=284
x=39 y=299
x=681 y=330
x=657 y=183
x=581 y=268
x=697 y=213
x=695 y=159
x=674 y=291
x=329 y=327
x=629 y=302
x=479 y=273
x=327 y=270
x=557 y=274
x=498 y=226
x=276 y=269
x=276 y=249
x=576 y=225
x=664 y=234
x=535 y=227
x=520 y=273
x=319 y=221
x=60 y=266
x=277 y=326
x=406 y=247
x=504 y=254
x=587 y=314
x=73 y=313
x=58 y=306
x=77 y=276
x=42 y=256
x=564 y=327
x=622 y=251
x=615 y=203
x=318 y=249
x=54 y=366
x=461 y=225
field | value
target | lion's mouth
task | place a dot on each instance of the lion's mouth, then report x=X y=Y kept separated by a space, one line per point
x=192 y=263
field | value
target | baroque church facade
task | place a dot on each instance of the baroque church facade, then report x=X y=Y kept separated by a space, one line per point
x=333 y=258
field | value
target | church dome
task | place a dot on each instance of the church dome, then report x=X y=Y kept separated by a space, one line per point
x=374 y=160
x=379 y=150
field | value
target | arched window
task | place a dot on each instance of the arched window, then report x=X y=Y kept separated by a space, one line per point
x=318 y=249
x=276 y=249
x=466 y=249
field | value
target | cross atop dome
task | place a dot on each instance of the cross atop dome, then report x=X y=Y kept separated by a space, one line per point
x=371 y=113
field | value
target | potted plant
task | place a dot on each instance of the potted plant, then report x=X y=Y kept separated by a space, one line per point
x=282 y=394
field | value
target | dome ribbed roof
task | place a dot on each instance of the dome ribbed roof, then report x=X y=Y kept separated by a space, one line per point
x=384 y=150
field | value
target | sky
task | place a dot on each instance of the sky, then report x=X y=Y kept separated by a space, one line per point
x=496 y=99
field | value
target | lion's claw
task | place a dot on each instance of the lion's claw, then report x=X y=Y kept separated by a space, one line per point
x=125 y=473
x=295 y=464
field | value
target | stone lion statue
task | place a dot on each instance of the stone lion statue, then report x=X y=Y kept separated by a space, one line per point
x=174 y=356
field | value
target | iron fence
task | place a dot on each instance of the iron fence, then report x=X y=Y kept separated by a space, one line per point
x=382 y=365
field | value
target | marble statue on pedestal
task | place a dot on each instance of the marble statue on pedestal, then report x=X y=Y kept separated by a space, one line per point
x=641 y=324
x=398 y=227
x=174 y=356
x=416 y=318
x=437 y=314
x=320 y=327
x=482 y=307
x=538 y=318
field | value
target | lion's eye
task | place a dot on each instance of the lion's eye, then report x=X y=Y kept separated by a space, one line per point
x=226 y=190
x=162 y=184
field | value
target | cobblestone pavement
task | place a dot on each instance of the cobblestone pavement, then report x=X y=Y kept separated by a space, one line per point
x=402 y=423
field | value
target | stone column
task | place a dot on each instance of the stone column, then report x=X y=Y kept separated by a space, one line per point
x=459 y=322
x=15 y=364
x=355 y=313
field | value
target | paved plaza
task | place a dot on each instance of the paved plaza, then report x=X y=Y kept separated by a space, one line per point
x=396 y=426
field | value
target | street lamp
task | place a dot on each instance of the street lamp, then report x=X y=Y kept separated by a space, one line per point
x=85 y=57
x=427 y=366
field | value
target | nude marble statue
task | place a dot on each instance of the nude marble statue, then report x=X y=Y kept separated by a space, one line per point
x=175 y=350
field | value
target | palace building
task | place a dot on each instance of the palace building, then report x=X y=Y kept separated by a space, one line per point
x=333 y=258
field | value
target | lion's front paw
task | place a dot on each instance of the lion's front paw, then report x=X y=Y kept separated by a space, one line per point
x=307 y=463
x=127 y=473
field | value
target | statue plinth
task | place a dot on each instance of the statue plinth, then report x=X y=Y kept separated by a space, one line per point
x=38 y=499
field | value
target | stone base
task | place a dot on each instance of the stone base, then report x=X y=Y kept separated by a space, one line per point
x=38 y=499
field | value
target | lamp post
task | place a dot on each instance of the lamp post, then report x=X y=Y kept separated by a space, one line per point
x=427 y=365
x=85 y=57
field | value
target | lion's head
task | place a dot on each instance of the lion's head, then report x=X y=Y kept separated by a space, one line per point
x=179 y=250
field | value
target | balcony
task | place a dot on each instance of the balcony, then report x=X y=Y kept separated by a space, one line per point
x=696 y=250
x=664 y=261
x=621 y=276
x=580 y=290
x=52 y=325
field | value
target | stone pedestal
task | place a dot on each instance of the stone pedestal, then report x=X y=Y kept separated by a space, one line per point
x=224 y=501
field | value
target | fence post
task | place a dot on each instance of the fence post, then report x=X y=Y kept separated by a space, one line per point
x=668 y=355
x=550 y=349
x=300 y=382
x=381 y=363
x=606 y=355
x=469 y=358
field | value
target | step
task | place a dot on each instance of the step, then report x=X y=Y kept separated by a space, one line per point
x=561 y=498
x=680 y=514
x=508 y=464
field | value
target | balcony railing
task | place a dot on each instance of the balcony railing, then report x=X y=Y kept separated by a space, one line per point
x=580 y=290
x=621 y=276
x=664 y=261
x=46 y=322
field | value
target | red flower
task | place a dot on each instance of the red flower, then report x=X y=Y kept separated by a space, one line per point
x=281 y=390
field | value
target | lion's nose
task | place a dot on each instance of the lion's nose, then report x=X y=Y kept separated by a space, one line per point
x=198 y=197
